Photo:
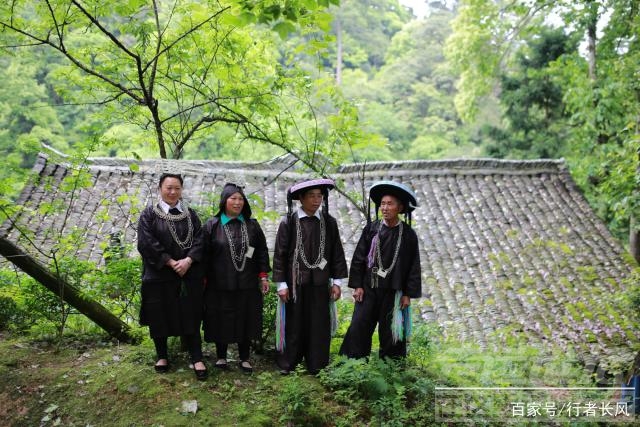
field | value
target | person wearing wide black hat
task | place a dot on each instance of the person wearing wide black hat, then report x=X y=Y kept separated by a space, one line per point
x=237 y=267
x=170 y=243
x=385 y=275
x=308 y=265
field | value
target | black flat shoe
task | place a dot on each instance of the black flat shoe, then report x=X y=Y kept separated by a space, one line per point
x=245 y=366
x=201 y=374
x=222 y=364
x=161 y=369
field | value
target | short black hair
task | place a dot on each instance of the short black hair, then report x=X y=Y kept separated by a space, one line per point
x=170 y=175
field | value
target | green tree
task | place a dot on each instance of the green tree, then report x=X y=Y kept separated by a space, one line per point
x=533 y=109
x=180 y=69
x=409 y=101
x=599 y=85
x=363 y=31
x=26 y=117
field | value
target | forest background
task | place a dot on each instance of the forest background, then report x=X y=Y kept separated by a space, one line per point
x=473 y=79
x=327 y=83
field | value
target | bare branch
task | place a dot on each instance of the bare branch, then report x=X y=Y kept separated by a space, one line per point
x=106 y=32
x=177 y=40
x=129 y=92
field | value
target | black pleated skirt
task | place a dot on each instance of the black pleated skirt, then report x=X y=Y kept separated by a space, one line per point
x=232 y=316
x=172 y=308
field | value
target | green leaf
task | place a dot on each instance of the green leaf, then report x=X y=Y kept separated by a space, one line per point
x=284 y=29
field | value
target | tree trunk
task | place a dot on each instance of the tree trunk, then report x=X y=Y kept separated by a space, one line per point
x=592 y=35
x=90 y=308
x=634 y=239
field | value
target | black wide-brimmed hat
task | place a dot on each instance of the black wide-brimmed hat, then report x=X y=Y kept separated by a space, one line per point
x=402 y=192
x=324 y=184
x=321 y=183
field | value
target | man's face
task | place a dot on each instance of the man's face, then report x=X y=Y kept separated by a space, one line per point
x=390 y=207
x=311 y=200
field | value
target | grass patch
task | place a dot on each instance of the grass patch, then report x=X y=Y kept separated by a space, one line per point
x=86 y=381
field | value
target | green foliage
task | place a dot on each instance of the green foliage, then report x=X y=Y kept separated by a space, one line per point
x=409 y=102
x=269 y=310
x=117 y=285
x=296 y=400
x=534 y=115
x=12 y=317
x=630 y=299
x=390 y=392
x=474 y=51
x=187 y=73
x=47 y=306
x=366 y=29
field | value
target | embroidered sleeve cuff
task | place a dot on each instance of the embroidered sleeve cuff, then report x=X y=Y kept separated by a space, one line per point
x=337 y=282
x=263 y=275
x=282 y=285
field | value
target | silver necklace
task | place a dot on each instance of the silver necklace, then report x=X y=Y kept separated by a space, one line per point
x=299 y=250
x=244 y=239
x=171 y=219
x=380 y=270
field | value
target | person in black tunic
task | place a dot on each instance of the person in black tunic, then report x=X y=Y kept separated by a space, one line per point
x=237 y=270
x=385 y=274
x=170 y=243
x=308 y=265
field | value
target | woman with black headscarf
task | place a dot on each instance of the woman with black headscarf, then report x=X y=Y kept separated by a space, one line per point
x=237 y=270
x=170 y=243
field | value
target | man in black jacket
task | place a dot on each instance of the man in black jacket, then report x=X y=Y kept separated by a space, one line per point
x=385 y=275
x=308 y=265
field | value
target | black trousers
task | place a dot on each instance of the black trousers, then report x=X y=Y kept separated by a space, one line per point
x=243 y=350
x=307 y=329
x=376 y=308
x=194 y=346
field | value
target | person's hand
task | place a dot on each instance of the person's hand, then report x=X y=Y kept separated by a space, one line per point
x=284 y=295
x=358 y=294
x=405 y=302
x=335 y=292
x=182 y=266
x=264 y=284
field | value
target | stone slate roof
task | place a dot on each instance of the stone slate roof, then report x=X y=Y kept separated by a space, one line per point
x=510 y=249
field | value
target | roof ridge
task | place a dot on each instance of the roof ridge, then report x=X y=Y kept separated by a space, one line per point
x=556 y=165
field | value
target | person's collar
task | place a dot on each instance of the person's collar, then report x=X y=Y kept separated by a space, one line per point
x=224 y=219
x=302 y=213
x=387 y=225
x=165 y=206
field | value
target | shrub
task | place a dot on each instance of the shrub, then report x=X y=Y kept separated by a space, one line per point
x=390 y=392
x=12 y=317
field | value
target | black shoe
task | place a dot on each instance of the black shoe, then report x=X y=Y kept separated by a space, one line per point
x=245 y=366
x=201 y=374
x=284 y=372
x=161 y=369
x=222 y=364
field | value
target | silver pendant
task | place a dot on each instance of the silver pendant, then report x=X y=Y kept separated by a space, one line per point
x=249 y=253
